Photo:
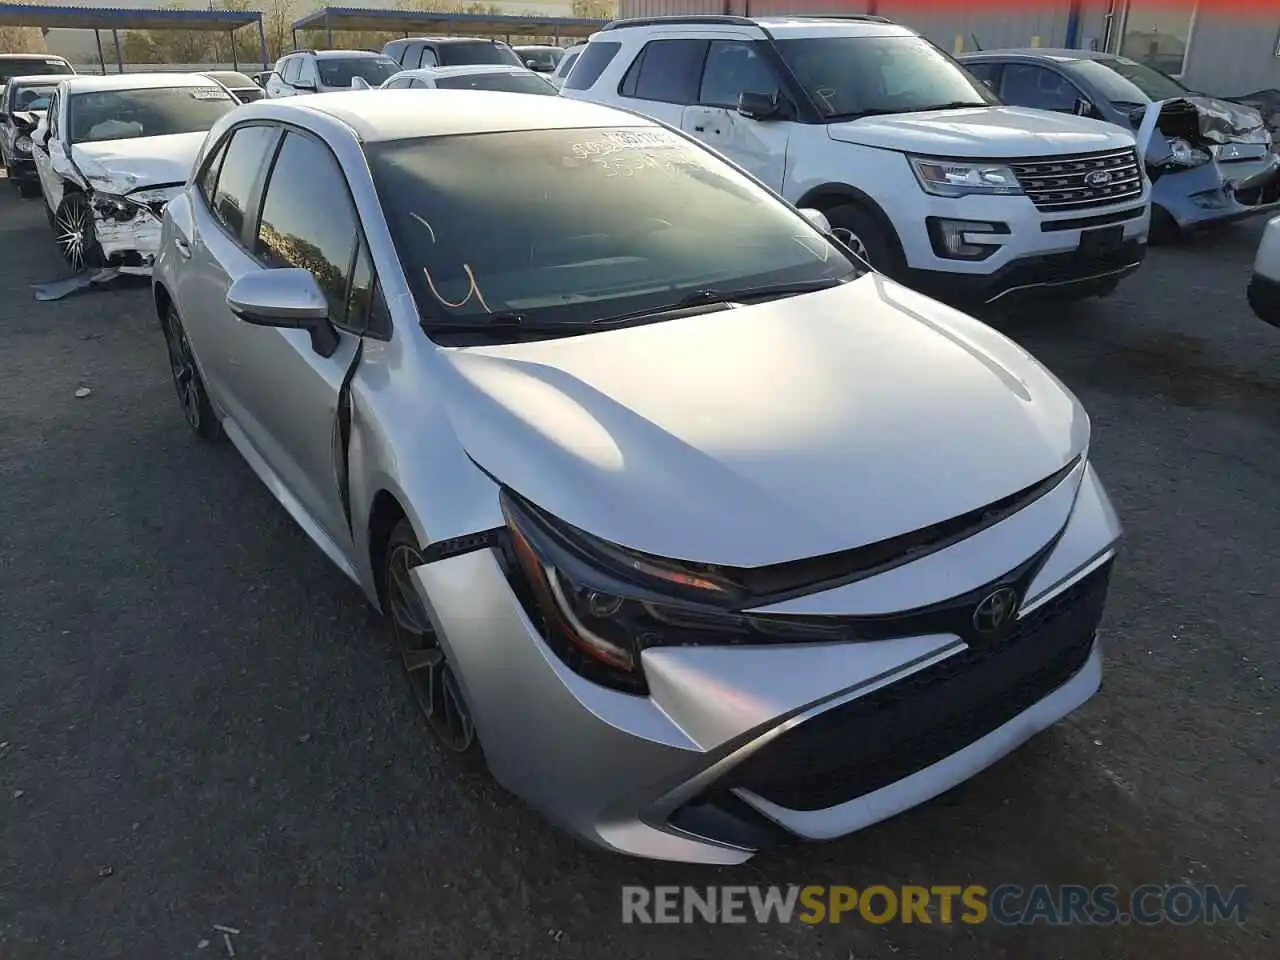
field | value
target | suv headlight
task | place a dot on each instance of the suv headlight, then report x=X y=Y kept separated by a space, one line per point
x=961 y=178
x=598 y=605
x=1182 y=155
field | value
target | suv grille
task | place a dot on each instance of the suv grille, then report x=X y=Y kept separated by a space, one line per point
x=891 y=733
x=1077 y=183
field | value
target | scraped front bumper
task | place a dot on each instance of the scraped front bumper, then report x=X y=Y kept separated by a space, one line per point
x=738 y=748
x=127 y=227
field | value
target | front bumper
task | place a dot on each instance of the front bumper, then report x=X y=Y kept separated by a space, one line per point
x=1219 y=192
x=1057 y=276
x=721 y=759
x=1264 y=298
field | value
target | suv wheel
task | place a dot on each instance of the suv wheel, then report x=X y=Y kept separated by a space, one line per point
x=862 y=233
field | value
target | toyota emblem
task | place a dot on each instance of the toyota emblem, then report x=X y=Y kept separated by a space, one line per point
x=996 y=611
x=1099 y=178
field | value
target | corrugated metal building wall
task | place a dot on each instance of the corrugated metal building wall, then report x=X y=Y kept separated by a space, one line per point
x=1226 y=55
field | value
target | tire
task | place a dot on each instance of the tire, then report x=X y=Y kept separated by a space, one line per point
x=864 y=234
x=192 y=396
x=427 y=668
x=73 y=233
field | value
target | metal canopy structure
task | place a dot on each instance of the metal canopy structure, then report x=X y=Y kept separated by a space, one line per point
x=407 y=22
x=98 y=19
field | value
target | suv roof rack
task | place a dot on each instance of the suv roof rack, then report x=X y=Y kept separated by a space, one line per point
x=867 y=17
x=697 y=18
x=302 y=50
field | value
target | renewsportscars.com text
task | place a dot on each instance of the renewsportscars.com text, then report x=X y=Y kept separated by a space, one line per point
x=1006 y=905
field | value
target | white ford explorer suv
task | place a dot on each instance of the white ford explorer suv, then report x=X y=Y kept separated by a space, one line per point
x=915 y=163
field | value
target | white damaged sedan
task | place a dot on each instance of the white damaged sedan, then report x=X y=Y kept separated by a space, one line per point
x=112 y=151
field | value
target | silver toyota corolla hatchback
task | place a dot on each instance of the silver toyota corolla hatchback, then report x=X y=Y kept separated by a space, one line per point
x=707 y=537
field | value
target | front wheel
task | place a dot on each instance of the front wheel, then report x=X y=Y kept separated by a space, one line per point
x=73 y=231
x=860 y=231
x=196 y=407
x=431 y=676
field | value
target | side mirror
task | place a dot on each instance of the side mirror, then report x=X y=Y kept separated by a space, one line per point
x=288 y=298
x=360 y=83
x=758 y=106
x=817 y=219
x=1082 y=108
x=304 y=85
x=25 y=122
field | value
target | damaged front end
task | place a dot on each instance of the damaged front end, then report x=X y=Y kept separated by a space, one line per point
x=1209 y=161
x=127 y=224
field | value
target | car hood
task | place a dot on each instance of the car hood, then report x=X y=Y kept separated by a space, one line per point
x=767 y=433
x=983 y=133
x=130 y=164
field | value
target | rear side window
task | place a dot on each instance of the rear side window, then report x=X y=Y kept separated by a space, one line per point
x=988 y=73
x=291 y=68
x=666 y=70
x=591 y=64
x=245 y=157
x=428 y=58
x=208 y=182
x=566 y=65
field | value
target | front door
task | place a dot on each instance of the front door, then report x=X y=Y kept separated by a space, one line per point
x=734 y=67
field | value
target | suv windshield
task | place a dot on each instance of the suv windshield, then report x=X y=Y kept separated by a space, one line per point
x=591 y=223
x=508 y=82
x=30 y=96
x=478 y=52
x=850 y=77
x=340 y=71
x=152 y=112
x=32 y=67
x=542 y=59
x=1125 y=81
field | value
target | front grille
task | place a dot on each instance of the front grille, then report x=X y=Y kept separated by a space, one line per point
x=895 y=731
x=1063 y=183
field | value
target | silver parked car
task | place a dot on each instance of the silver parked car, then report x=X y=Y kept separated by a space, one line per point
x=709 y=537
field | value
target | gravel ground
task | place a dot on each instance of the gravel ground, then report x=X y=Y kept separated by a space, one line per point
x=201 y=723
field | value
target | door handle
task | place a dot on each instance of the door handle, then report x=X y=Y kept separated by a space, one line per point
x=183 y=248
x=699 y=129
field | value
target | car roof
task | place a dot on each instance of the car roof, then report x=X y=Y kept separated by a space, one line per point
x=463 y=70
x=38 y=79
x=344 y=54
x=83 y=83
x=537 y=46
x=381 y=115
x=33 y=56
x=781 y=26
x=405 y=40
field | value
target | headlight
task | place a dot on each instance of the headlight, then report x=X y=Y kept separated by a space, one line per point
x=124 y=209
x=958 y=178
x=22 y=144
x=599 y=605
x=1184 y=156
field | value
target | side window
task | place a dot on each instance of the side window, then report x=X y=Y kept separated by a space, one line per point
x=669 y=71
x=592 y=62
x=360 y=297
x=209 y=177
x=308 y=220
x=4 y=100
x=307 y=70
x=398 y=84
x=421 y=85
x=291 y=67
x=55 y=109
x=733 y=68
x=988 y=73
x=567 y=64
x=1026 y=85
x=428 y=57
x=245 y=156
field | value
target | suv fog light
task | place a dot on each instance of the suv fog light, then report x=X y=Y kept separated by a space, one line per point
x=955 y=239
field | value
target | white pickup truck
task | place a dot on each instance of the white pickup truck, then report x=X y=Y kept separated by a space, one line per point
x=914 y=162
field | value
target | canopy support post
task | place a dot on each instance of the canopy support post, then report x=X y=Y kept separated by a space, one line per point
x=115 y=36
x=102 y=61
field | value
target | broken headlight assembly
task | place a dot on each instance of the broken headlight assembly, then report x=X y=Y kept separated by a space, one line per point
x=110 y=206
x=599 y=605
x=1183 y=155
x=22 y=144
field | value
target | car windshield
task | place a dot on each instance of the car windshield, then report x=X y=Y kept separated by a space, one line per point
x=340 y=71
x=32 y=67
x=1125 y=81
x=850 y=77
x=542 y=59
x=591 y=223
x=477 y=53
x=148 y=112
x=508 y=82
x=26 y=97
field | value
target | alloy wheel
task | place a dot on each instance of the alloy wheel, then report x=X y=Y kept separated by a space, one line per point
x=183 y=367
x=853 y=242
x=73 y=231
x=432 y=678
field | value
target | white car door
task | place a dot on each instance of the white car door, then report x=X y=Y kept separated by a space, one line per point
x=734 y=67
x=45 y=144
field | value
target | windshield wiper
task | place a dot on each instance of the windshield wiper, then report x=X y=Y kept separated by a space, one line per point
x=951 y=105
x=709 y=296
